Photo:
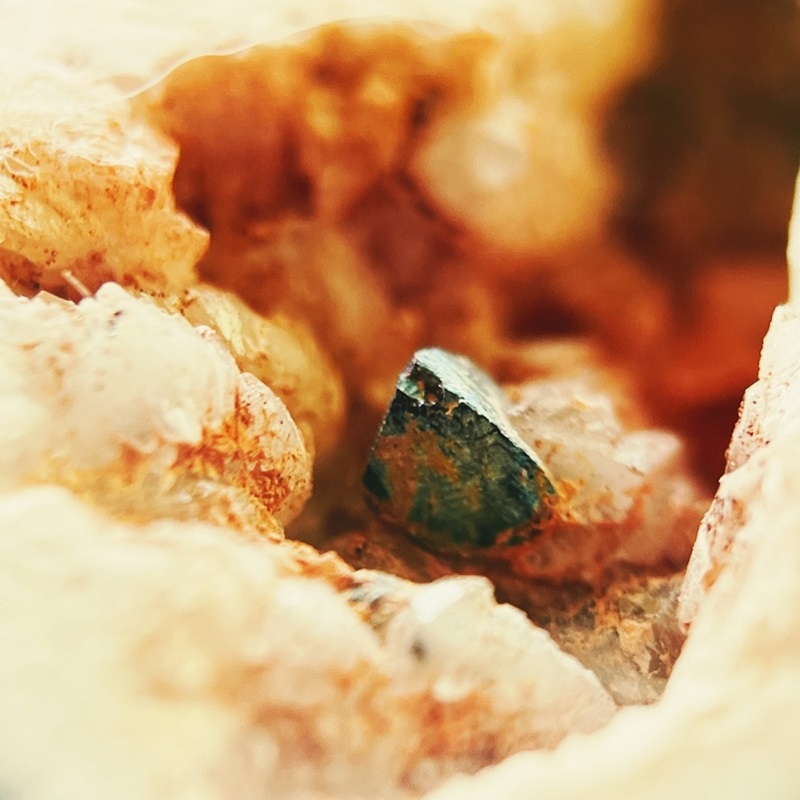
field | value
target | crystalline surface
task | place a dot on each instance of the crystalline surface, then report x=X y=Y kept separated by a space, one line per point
x=767 y=412
x=282 y=353
x=85 y=188
x=728 y=717
x=625 y=493
x=226 y=666
x=446 y=465
x=421 y=164
x=136 y=409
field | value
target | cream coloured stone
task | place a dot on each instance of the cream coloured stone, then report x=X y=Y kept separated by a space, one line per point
x=117 y=399
x=768 y=410
x=727 y=723
x=282 y=353
x=181 y=660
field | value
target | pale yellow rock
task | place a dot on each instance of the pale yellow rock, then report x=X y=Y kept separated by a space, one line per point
x=83 y=187
x=282 y=353
x=132 y=407
x=178 y=660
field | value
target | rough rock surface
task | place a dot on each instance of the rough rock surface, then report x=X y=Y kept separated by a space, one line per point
x=728 y=717
x=767 y=413
x=131 y=407
x=627 y=631
x=628 y=634
x=179 y=660
x=84 y=187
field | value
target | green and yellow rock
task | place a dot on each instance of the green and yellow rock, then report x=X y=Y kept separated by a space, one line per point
x=447 y=465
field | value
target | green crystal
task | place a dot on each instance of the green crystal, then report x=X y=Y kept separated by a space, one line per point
x=448 y=466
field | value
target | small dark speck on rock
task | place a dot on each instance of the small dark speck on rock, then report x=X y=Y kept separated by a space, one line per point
x=112 y=324
x=419 y=650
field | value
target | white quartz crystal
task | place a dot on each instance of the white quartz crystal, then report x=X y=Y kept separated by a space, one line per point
x=625 y=492
x=116 y=394
x=768 y=415
x=179 y=660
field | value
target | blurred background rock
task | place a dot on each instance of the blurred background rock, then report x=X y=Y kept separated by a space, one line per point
x=708 y=143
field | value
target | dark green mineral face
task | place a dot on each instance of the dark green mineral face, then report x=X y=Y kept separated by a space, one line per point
x=448 y=467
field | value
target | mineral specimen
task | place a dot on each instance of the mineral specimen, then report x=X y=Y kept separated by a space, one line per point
x=175 y=659
x=729 y=716
x=551 y=471
x=447 y=464
x=627 y=632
